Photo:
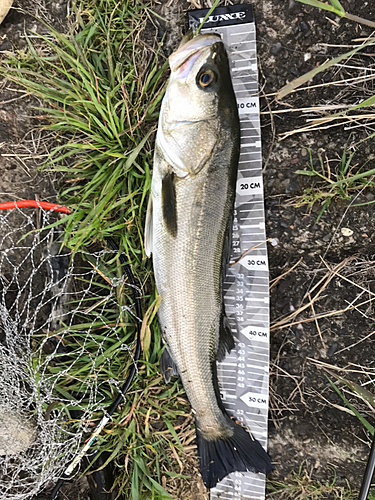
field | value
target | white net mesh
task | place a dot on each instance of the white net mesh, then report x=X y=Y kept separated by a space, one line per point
x=66 y=330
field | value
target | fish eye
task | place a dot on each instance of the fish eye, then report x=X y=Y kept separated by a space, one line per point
x=206 y=78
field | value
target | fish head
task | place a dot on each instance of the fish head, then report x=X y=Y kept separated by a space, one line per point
x=199 y=76
x=198 y=104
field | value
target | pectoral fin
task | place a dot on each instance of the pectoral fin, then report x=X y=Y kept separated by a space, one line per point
x=168 y=201
x=149 y=228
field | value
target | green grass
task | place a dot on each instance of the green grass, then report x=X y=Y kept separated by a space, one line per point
x=101 y=91
x=141 y=438
x=341 y=181
x=345 y=178
x=336 y=7
x=101 y=88
x=360 y=392
x=301 y=486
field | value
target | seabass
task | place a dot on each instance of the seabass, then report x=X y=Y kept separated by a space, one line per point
x=188 y=232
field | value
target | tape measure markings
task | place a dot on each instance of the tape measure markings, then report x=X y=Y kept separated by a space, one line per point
x=243 y=375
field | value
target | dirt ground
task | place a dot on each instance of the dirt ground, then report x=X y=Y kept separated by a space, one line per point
x=335 y=256
x=305 y=426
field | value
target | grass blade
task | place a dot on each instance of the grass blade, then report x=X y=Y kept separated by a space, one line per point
x=337 y=5
x=287 y=89
x=322 y=5
x=357 y=389
x=363 y=421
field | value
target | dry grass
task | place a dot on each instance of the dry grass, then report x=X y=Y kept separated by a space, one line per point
x=355 y=275
x=351 y=77
x=301 y=486
x=315 y=294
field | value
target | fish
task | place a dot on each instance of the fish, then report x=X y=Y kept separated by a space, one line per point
x=188 y=232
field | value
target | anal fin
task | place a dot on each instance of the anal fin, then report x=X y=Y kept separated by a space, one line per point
x=226 y=340
x=167 y=366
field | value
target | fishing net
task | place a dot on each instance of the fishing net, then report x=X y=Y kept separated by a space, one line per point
x=67 y=330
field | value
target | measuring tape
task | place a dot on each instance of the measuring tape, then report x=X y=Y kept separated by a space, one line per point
x=243 y=374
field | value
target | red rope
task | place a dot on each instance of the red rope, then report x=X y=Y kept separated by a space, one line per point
x=35 y=204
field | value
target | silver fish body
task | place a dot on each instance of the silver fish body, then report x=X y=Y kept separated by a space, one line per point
x=188 y=228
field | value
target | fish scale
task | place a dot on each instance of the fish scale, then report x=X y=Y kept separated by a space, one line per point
x=244 y=373
x=198 y=310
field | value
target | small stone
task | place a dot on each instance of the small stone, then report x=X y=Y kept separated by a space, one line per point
x=274 y=242
x=294 y=71
x=370 y=197
x=276 y=49
x=304 y=153
x=346 y=231
x=327 y=237
x=305 y=28
x=5 y=5
x=5 y=46
x=332 y=349
x=293 y=186
x=57 y=7
x=261 y=31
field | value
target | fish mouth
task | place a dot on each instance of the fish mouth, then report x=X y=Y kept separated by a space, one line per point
x=185 y=56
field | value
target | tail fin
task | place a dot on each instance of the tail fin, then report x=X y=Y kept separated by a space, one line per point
x=241 y=453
